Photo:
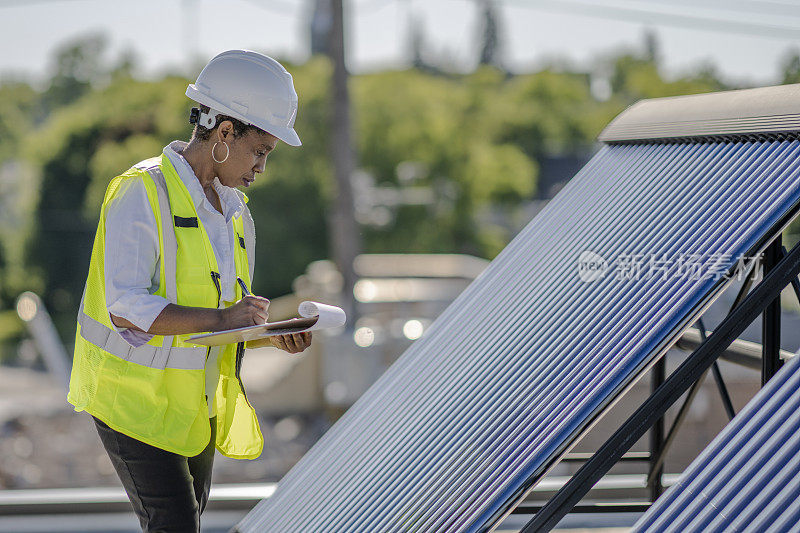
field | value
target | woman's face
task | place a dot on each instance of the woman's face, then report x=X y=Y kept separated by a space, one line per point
x=247 y=157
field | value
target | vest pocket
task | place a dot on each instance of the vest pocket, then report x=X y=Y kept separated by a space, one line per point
x=163 y=408
x=139 y=403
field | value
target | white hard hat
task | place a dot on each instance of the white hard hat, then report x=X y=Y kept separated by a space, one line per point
x=250 y=87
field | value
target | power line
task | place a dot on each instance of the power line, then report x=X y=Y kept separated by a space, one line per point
x=275 y=6
x=370 y=6
x=25 y=3
x=776 y=2
x=768 y=7
x=269 y=5
x=660 y=18
x=582 y=8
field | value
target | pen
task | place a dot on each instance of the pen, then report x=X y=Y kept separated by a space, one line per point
x=245 y=292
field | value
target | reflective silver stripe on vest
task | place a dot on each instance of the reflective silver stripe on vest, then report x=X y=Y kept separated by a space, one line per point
x=165 y=356
x=153 y=356
x=170 y=259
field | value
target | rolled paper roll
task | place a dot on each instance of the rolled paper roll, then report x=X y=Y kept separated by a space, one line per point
x=329 y=316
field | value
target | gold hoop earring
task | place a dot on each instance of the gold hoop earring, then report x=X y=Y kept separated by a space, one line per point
x=227 y=152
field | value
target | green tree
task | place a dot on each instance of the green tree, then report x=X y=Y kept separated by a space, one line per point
x=790 y=67
x=552 y=112
x=78 y=64
x=635 y=78
x=18 y=185
x=18 y=104
x=87 y=144
x=454 y=127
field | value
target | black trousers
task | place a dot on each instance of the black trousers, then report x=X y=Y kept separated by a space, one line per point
x=168 y=491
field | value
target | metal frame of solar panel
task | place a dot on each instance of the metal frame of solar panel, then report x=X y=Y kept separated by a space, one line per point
x=550 y=336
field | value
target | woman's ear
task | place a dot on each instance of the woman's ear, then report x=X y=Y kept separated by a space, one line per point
x=225 y=130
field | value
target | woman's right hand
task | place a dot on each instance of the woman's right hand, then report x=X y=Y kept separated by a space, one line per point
x=249 y=311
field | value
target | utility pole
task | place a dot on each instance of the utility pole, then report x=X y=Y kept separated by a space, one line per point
x=190 y=29
x=344 y=231
x=490 y=48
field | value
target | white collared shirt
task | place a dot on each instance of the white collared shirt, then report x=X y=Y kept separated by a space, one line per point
x=131 y=259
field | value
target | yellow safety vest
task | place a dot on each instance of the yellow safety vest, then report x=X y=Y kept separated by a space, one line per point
x=156 y=392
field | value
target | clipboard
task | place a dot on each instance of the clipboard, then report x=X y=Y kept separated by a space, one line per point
x=249 y=333
x=315 y=316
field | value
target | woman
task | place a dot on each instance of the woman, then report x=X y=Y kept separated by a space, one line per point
x=173 y=256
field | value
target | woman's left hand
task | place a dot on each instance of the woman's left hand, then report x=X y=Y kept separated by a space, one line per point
x=293 y=342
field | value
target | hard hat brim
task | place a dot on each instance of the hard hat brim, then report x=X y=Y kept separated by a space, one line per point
x=287 y=135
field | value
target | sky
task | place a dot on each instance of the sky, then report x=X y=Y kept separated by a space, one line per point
x=744 y=39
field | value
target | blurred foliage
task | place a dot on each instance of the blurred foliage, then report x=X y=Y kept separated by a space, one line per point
x=635 y=78
x=18 y=103
x=474 y=142
x=10 y=325
x=790 y=66
x=552 y=112
x=11 y=333
x=78 y=151
x=454 y=129
x=77 y=67
x=19 y=193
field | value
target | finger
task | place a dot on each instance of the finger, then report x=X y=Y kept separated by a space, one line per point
x=299 y=341
x=296 y=346
x=307 y=338
x=277 y=341
x=289 y=340
x=258 y=302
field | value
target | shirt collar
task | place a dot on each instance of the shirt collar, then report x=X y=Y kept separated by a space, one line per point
x=232 y=205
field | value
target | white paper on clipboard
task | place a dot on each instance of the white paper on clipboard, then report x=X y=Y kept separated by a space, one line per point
x=314 y=315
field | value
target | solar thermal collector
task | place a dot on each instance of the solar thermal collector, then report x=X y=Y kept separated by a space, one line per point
x=560 y=324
